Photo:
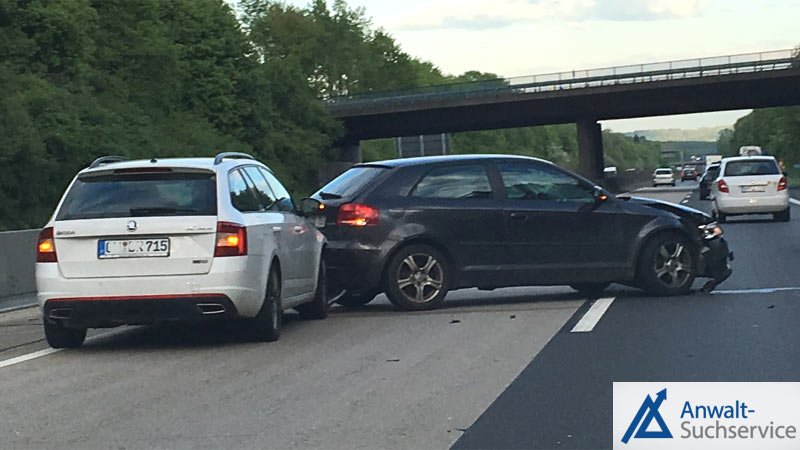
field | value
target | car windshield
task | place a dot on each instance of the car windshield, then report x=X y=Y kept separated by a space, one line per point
x=663 y=172
x=753 y=167
x=137 y=195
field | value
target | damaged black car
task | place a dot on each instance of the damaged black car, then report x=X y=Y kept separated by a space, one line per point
x=418 y=228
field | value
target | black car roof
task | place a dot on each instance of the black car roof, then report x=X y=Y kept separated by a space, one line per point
x=423 y=160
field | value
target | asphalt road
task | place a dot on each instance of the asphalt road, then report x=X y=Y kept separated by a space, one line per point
x=495 y=369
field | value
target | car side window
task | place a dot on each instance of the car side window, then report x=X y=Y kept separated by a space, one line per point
x=242 y=196
x=455 y=182
x=262 y=190
x=283 y=200
x=542 y=182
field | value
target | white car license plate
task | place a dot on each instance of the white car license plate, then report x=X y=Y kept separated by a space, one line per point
x=754 y=188
x=133 y=248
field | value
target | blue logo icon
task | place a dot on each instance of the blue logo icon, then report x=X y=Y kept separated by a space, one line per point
x=645 y=416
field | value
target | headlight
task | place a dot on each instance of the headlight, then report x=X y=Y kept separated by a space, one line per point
x=711 y=230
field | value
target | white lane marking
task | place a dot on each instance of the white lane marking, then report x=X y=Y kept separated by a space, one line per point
x=685 y=201
x=595 y=313
x=796 y=202
x=756 y=291
x=28 y=357
x=50 y=351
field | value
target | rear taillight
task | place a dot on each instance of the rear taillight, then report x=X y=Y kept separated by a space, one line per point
x=783 y=184
x=722 y=186
x=46 y=249
x=231 y=239
x=357 y=215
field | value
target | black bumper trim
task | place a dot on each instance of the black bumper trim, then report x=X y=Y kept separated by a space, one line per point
x=99 y=313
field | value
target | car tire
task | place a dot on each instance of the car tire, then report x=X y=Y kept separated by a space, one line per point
x=718 y=216
x=350 y=300
x=266 y=325
x=783 y=216
x=318 y=308
x=418 y=278
x=590 y=289
x=667 y=265
x=59 y=336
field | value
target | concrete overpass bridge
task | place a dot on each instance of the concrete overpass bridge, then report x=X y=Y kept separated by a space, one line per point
x=584 y=97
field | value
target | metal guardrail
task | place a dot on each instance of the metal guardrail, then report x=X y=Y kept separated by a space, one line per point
x=581 y=79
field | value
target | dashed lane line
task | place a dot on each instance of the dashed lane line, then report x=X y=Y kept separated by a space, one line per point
x=593 y=316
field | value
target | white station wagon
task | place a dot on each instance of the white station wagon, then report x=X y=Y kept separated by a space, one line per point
x=140 y=242
x=750 y=185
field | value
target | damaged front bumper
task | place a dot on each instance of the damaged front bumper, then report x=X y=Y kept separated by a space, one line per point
x=714 y=262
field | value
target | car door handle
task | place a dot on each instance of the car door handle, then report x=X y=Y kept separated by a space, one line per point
x=277 y=229
x=518 y=216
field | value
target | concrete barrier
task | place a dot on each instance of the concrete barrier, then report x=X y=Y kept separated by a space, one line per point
x=17 y=262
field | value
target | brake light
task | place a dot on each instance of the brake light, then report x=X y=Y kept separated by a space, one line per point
x=783 y=184
x=357 y=215
x=46 y=249
x=723 y=186
x=231 y=239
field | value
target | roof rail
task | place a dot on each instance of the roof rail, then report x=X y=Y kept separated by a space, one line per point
x=106 y=160
x=235 y=155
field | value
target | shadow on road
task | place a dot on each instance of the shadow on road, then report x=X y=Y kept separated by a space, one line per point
x=166 y=336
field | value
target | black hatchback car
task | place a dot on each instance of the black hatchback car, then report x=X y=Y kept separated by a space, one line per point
x=417 y=228
x=708 y=177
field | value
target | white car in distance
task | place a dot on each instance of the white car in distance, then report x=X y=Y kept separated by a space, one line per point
x=750 y=185
x=141 y=242
x=663 y=175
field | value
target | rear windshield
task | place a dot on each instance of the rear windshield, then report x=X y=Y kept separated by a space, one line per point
x=751 y=167
x=663 y=172
x=138 y=195
x=351 y=183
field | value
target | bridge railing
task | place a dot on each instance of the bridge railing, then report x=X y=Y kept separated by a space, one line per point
x=580 y=79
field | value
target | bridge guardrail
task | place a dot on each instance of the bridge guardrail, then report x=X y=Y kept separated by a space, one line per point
x=579 y=79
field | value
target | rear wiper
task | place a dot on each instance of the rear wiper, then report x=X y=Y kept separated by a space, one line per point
x=159 y=210
x=329 y=196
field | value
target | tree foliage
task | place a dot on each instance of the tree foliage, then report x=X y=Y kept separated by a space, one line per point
x=153 y=78
x=775 y=130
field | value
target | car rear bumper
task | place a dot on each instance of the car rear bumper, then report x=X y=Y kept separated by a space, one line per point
x=238 y=279
x=751 y=205
x=354 y=267
x=103 y=312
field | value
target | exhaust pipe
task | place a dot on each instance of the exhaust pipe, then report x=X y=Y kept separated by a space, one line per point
x=208 y=309
x=60 y=313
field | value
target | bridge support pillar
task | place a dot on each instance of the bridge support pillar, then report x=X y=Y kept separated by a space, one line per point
x=351 y=152
x=590 y=149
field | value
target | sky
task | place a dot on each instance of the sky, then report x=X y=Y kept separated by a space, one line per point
x=527 y=37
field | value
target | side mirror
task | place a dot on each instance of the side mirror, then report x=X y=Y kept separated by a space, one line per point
x=310 y=207
x=600 y=195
